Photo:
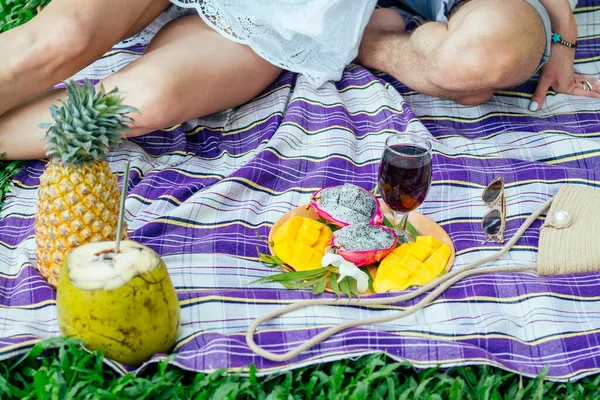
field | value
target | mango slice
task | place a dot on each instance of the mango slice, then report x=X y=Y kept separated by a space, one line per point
x=429 y=241
x=421 y=251
x=300 y=242
x=412 y=264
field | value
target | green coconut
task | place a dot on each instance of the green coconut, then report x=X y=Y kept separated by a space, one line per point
x=122 y=304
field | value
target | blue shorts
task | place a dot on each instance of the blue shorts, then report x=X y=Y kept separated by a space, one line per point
x=438 y=10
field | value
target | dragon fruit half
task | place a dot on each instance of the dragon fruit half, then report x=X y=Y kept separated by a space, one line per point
x=364 y=244
x=347 y=205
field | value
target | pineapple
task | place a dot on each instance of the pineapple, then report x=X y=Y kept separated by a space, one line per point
x=78 y=198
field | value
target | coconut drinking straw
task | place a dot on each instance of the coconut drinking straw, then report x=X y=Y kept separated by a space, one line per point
x=572 y=217
x=122 y=207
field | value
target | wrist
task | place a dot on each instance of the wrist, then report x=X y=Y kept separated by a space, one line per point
x=557 y=40
x=566 y=28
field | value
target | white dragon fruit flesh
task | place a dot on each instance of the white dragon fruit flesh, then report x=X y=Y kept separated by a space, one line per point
x=347 y=205
x=364 y=244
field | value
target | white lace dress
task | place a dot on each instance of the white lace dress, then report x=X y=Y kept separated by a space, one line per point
x=317 y=38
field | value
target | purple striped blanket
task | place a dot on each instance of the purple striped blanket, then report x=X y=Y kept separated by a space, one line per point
x=199 y=192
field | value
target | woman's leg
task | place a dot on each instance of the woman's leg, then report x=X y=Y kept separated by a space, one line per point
x=63 y=39
x=187 y=71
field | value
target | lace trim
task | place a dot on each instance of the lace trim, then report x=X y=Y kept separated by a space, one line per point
x=145 y=36
x=320 y=52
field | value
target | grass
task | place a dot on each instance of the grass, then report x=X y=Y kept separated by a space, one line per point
x=62 y=369
x=15 y=12
x=8 y=169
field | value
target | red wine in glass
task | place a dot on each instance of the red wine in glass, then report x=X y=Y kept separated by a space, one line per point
x=405 y=175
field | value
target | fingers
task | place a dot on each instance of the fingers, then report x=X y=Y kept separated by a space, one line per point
x=577 y=87
x=540 y=94
x=585 y=93
x=591 y=82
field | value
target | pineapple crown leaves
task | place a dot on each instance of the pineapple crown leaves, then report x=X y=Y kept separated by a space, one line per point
x=87 y=124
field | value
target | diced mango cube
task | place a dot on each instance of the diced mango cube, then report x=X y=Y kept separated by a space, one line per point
x=438 y=260
x=326 y=234
x=384 y=269
x=402 y=250
x=429 y=241
x=315 y=260
x=288 y=230
x=395 y=280
x=307 y=234
x=410 y=263
x=324 y=239
x=321 y=245
x=421 y=251
x=391 y=259
x=444 y=251
x=424 y=274
x=301 y=261
x=435 y=264
x=398 y=275
x=314 y=224
x=284 y=249
x=414 y=280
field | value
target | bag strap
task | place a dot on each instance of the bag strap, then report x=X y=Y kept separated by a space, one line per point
x=439 y=285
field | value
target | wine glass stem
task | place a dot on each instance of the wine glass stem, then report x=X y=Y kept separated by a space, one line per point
x=402 y=233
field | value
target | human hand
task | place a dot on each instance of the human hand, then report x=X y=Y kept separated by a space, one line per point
x=558 y=74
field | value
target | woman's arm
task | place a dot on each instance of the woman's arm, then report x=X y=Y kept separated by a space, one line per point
x=558 y=73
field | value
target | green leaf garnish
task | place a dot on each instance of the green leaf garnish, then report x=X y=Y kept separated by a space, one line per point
x=304 y=284
x=409 y=227
x=331 y=226
x=321 y=285
x=290 y=277
x=371 y=288
x=335 y=287
x=353 y=285
x=345 y=287
x=270 y=261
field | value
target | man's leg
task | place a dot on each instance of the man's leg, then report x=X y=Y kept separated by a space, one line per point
x=487 y=45
x=67 y=36
x=188 y=70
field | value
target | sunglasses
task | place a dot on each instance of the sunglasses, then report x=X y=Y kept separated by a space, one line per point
x=494 y=221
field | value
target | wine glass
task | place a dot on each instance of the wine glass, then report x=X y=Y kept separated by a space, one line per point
x=405 y=176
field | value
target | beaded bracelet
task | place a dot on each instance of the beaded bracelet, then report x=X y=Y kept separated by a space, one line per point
x=557 y=39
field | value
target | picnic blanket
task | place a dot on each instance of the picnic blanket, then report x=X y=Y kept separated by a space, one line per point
x=199 y=193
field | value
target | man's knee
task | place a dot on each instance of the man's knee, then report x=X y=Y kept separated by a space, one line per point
x=490 y=46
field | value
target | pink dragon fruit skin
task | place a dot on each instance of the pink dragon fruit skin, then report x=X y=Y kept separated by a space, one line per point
x=323 y=210
x=365 y=235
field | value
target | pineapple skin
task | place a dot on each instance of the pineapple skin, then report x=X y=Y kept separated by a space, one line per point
x=76 y=205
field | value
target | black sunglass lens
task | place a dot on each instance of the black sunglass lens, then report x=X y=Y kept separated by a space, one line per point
x=492 y=222
x=492 y=192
